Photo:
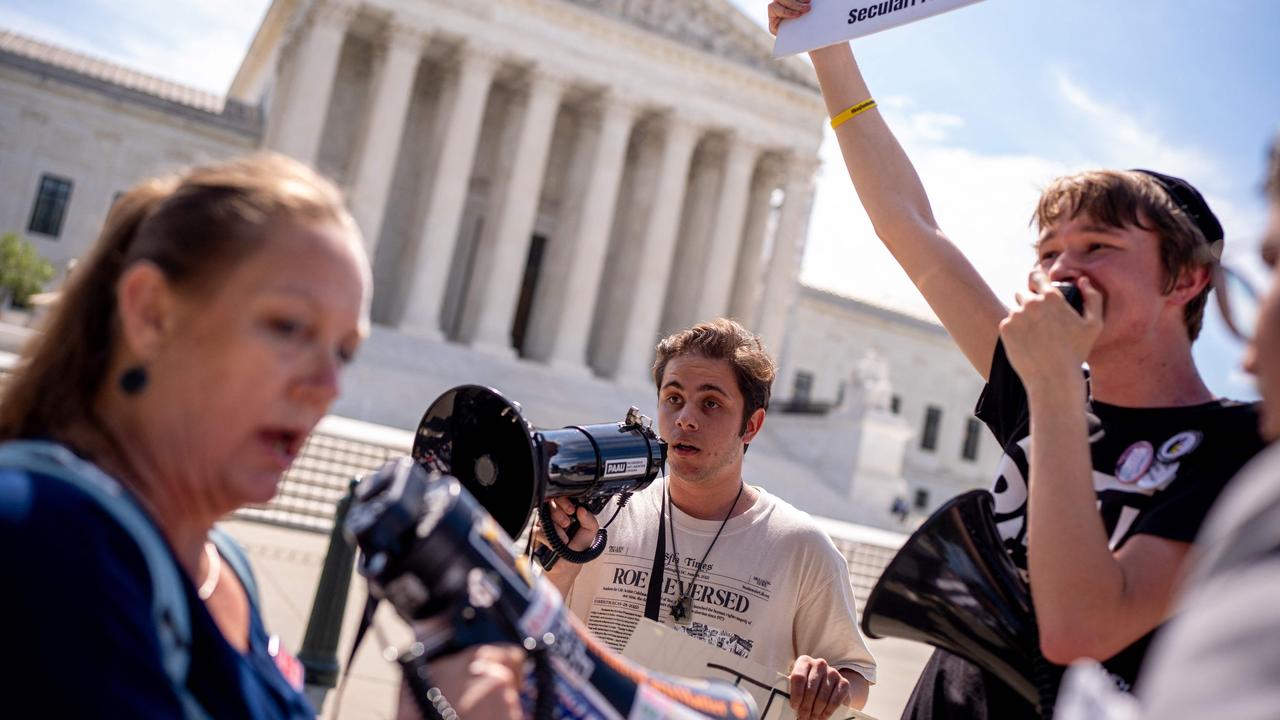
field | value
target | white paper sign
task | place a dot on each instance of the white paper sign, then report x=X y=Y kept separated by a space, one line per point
x=664 y=650
x=833 y=21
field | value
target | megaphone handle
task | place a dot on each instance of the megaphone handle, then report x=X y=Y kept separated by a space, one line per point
x=547 y=557
x=562 y=548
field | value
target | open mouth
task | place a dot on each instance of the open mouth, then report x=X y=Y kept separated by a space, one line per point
x=284 y=441
x=684 y=448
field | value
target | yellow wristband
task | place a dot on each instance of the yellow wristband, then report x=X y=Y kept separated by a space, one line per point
x=852 y=112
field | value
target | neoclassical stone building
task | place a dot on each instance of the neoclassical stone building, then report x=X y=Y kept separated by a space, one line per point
x=76 y=131
x=546 y=187
x=563 y=179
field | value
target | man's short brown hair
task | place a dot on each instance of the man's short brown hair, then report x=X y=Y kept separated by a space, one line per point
x=724 y=339
x=1130 y=198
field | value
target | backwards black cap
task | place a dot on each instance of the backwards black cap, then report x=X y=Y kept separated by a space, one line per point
x=1188 y=198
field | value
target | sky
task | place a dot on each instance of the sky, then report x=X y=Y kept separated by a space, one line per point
x=990 y=101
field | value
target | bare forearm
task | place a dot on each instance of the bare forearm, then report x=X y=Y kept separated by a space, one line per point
x=896 y=202
x=1076 y=582
x=562 y=577
x=882 y=173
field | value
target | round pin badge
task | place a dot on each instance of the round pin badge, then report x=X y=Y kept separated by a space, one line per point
x=1179 y=445
x=1135 y=461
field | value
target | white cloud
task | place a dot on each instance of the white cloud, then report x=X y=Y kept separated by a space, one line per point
x=23 y=24
x=933 y=127
x=194 y=42
x=1121 y=138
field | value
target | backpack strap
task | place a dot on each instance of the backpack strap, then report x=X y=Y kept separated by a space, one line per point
x=235 y=557
x=169 y=602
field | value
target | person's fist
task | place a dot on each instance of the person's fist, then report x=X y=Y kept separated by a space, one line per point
x=1044 y=338
x=817 y=689
x=563 y=512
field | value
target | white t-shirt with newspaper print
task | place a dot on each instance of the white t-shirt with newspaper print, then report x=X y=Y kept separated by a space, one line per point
x=774 y=586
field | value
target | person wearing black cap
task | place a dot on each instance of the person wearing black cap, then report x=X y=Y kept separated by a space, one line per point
x=1226 y=634
x=1105 y=478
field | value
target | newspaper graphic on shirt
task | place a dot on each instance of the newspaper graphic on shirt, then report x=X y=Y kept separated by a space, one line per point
x=725 y=607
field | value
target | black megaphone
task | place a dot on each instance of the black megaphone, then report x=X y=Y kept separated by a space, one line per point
x=510 y=467
x=953 y=586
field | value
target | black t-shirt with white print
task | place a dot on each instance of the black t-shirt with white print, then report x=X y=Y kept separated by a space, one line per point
x=1156 y=471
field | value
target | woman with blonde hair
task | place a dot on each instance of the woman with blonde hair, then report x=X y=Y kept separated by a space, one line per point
x=176 y=380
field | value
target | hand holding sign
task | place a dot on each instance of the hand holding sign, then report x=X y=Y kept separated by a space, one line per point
x=803 y=25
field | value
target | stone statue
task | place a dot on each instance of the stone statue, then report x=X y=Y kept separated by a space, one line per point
x=871 y=376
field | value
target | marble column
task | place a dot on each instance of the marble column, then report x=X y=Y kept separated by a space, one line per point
x=495 y=285
x=569 y=285
x=304 y=103
x=447 y=194
x=384 y=126
x=726 y=236
x=788 y=248
x=744 y=304
x=642 y=316
x=618 y=287
x=697 y=225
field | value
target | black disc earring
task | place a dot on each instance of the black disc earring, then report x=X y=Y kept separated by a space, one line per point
x=133 y=380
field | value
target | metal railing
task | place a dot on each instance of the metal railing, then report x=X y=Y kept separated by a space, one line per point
x=318 y=479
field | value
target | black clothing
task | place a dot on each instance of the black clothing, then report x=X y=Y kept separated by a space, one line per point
x=1156 y=471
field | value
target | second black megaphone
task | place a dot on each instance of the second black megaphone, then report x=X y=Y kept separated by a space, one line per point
x=511 y=468
x=953 y=586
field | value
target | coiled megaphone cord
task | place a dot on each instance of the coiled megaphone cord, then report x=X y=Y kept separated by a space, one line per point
x=562 y=548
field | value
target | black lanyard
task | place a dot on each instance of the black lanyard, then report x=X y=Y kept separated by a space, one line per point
x=653 y=601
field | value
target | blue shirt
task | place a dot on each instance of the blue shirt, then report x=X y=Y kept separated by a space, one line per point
x=79 y=637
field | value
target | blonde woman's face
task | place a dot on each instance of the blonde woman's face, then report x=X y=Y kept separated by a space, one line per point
x=250 y=368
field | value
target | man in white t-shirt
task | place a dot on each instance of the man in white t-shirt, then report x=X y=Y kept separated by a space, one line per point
x=742 y=570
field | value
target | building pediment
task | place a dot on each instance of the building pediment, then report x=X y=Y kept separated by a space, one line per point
x=712 y=26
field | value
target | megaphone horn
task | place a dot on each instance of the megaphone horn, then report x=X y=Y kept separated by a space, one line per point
x=953 y=586
x=510 y=467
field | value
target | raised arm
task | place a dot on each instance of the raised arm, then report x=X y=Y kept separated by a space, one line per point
x=895 y=201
